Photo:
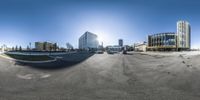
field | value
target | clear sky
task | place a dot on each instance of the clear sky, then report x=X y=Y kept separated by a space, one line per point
x=61 y=21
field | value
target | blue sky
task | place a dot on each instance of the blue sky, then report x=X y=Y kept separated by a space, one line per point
x=62 y=21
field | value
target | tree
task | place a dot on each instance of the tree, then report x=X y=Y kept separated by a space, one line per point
x=16 y=48
x=69 y=46
x=20 y=48
x=30 y=45
x=27 y=48
x=51 y=47
x=55 y=46
x=13 y=49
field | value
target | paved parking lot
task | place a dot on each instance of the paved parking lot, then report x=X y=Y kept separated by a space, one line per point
x=134 y=76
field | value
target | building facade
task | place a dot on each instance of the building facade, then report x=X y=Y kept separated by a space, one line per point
x=183 y=35
x=162 y=41
x=69 y=46
x=113 y=49
x=45 y=46
x=39 y=46
x=140 y=47
x=172 y=41
x=88 y=41
x=120 y=42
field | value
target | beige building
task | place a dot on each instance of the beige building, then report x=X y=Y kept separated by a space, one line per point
x=45 y=46
x=39 y=46
x=141 y=47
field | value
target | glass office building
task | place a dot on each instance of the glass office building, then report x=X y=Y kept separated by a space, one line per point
x=162 y=41
x=88 y=41
x=172 y=41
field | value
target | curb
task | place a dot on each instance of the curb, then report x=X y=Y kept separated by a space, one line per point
x=25 y=61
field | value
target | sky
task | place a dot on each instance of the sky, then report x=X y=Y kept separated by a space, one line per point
x=62 y=21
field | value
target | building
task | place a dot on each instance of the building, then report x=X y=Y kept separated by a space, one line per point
x=171 y=41
x=39 y=46
x=100 y=47
x=69 y=46
x=113 y=49
x=141 y=47
x=120 y=42
x=162 y=41
x=45 y=46
x=88 y=41
x=183 y=35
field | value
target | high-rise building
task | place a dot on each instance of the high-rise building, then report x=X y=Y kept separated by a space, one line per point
x=183 y=35
x=88 y=41
x=120 y=42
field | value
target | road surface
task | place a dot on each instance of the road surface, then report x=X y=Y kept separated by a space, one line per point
x=133 y=76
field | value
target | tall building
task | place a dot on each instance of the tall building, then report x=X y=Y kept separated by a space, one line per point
x=183 y=35
x=120 y=42
x=88 y=41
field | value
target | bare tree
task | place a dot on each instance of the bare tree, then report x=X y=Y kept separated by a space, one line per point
x=13 y=49
x=27 y=48
x=20 y=48
x=16 y=48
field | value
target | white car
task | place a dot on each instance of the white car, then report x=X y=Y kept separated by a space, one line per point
x=99 y=52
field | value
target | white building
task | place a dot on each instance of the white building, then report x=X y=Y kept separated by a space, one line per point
x=141 y=47
x=183 y=35
x=88 y=41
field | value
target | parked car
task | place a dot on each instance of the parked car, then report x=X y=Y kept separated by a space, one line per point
x=109 y=52
x=99 y=52
x=124 y=52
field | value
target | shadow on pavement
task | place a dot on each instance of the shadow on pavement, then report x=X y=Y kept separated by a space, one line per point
x=128 y=54
x=67 y=61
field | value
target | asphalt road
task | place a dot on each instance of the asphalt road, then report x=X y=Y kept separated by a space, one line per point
x=100 y=77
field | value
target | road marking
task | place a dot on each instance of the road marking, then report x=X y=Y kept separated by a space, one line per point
x=27 y=76
x=45 y=76
x=31 y=76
